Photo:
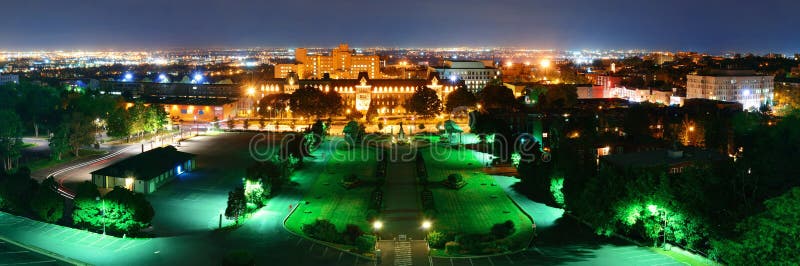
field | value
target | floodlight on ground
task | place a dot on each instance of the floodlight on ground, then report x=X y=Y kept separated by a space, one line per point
x=377 y=225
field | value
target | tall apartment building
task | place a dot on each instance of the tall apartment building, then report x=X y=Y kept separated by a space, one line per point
x=475 y=74
x=742 y=86
x=341 y=63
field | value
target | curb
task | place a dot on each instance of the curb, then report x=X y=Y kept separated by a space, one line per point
x=45 y=252
x=320 y=242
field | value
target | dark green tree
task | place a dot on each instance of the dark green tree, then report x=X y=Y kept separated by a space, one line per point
x=769 y=237
x=47 y=204
x=10 y=138
x=80 y=132
x=332 y=102
x=460 y=97
x=353 y=131
x=308 y=101
x=424 y=102
x=237 y=205
x=59 y=142
x=497 y=98
x=16 y=190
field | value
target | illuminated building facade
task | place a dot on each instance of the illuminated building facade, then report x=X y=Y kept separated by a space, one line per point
x=341 y=63
x=9 y=79
x=745 y=87
x=475 y=74
x=385 y=95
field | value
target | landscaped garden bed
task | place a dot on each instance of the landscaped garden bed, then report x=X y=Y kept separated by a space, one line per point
x=477 y=218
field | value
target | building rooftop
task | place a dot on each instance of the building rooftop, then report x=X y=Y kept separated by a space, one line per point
x=728 y=73
x=147 y=165
x=663 y=157
x=188 y=101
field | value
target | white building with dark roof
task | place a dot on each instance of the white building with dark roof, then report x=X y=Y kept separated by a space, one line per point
x=742 y=86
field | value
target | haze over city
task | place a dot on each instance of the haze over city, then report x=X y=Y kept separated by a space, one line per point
x=401 y=133
x=713 y=26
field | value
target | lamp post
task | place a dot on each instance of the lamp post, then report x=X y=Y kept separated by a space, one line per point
x=426 y=225
x=103 y=213
x=376 y=226
x=196 y=130
x=655 y=210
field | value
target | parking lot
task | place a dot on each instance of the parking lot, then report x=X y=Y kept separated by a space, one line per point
x=11 y=254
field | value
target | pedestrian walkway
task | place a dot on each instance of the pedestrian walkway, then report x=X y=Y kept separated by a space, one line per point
x=401 y=214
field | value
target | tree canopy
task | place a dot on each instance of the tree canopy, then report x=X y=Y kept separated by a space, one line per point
x=497 y=97
x=425 y=102
x=460 y=97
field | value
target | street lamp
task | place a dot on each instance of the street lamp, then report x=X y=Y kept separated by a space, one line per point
x=654 y=210
x=103 y=213
x=426 y=225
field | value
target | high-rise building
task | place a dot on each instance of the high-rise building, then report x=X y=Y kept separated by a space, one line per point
x=742 y=86
x=341 y=63
x=475 y=74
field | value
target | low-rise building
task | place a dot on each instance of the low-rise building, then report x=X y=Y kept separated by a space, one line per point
x=9 y=79
x=475 y=74
x=145 y=172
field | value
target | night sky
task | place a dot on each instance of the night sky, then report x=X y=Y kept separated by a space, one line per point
x=699 y=25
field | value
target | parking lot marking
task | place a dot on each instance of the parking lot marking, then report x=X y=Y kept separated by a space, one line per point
x=325 y=252
x=30 y=262
x=14 y=252
x=509 y=259
x=340 y=256
x=490 y=261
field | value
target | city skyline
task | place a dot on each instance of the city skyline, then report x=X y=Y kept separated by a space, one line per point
x=563 y=25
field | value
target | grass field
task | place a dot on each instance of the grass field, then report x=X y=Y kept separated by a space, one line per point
x=476 y=207
x=65 y=158
x=329 y=200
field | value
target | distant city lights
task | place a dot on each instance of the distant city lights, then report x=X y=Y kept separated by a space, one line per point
x=127 y=77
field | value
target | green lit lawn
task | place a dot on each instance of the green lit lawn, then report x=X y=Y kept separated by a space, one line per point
x=476 y=207
x=329 y=200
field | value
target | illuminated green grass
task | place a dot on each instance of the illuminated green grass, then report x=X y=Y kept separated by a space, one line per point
x=476 y=207
x=327 y=199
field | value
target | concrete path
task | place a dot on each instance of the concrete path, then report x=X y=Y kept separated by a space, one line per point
x=401 y=213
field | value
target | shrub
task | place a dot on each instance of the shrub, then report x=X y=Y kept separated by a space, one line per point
x=455 y=178
x=366 y=243
x=351 y=233
x=350 y=181
x=455 y=181
x=428 y=205
x=503 y=230
x=323 y=230
x=436 y=239
x=452 y=247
